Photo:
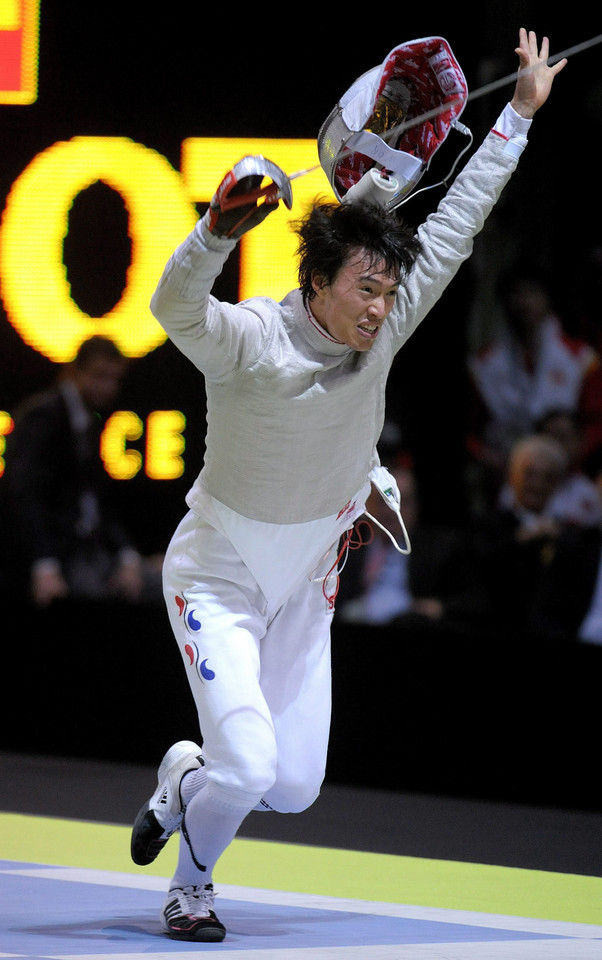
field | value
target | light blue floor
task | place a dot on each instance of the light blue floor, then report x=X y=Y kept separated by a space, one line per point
x=58 y=913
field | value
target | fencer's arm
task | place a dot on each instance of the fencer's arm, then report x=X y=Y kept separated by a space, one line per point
x=182 y=297
x=447 y=235
x=535 y=78
x=218 y=337
x=238 y=205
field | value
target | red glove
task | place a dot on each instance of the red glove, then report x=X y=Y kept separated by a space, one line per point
x=234 y=207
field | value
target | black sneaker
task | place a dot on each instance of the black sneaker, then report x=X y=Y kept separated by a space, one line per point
x=160 y=817
x=188 y=915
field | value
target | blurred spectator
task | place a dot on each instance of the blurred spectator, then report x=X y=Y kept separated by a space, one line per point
x=577 y=500
x=516 y=540
x=435 y=585
x=567 y=605
x=65 y=540
x=530 y=368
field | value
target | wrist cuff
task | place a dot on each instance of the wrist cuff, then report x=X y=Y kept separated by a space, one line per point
x=512 y=128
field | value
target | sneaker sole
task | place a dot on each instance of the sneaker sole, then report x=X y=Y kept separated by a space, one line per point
x=146 y=844
x=208 y=930
x=204 y=936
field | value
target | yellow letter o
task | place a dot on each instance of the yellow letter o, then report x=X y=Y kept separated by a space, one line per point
x=35 y=288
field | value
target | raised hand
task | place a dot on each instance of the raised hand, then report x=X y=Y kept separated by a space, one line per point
x=535 y=77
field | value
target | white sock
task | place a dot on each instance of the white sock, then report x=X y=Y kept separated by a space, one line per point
x=191 y=783
x=210 y=824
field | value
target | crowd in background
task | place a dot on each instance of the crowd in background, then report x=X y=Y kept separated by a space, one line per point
x=524 y=564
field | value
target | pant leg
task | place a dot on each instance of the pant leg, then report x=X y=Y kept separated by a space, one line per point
x=296 y=683
x=217 y=613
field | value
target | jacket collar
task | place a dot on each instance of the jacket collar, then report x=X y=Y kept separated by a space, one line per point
x=312 y=332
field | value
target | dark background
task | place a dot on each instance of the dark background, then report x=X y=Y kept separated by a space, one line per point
x=471 y=720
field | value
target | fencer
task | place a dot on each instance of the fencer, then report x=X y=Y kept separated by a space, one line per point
x=295 y=406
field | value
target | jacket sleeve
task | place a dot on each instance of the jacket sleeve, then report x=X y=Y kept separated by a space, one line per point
x=447 y=235
x=217 y=337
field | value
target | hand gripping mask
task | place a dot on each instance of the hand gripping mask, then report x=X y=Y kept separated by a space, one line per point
x=369 y=145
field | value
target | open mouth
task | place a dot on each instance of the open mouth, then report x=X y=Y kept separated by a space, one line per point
x=368 y=329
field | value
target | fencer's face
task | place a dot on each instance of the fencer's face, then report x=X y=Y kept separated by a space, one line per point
x=353 y=308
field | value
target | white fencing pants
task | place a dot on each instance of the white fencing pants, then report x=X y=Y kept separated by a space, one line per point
x=261 y=680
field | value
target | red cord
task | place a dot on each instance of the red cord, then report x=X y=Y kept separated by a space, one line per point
x=348 y=544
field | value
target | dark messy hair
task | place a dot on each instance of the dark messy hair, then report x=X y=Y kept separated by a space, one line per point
x=331 y=233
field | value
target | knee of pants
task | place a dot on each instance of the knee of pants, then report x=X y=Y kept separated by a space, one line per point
x=293 y=795
x=245 y=775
